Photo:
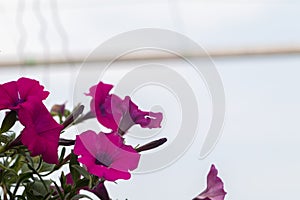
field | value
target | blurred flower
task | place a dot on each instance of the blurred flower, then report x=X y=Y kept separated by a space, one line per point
x=117 y=114
x=58 y=109
x=13 y=94
x=69 y=179
x=105 y=155
x=100 y=191
x=41 y=132
x=215 y=187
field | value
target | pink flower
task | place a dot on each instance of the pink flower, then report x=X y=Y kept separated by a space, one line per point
x=117 y=114
x=101 y=105
x=215 y=187
x=105 y=155
x=13 y=94
x=41 y=132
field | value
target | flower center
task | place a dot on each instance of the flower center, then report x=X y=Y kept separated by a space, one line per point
x=19 y=100
x=103 y=159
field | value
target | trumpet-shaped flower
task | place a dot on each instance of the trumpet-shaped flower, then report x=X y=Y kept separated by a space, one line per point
x=14 y=93
x=105 y=155
x=117 y=114
x=41 y=132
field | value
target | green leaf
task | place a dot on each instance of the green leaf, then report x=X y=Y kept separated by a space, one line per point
x=82 y=171
x=38 y=188
x=46 y=167
x=4 y=139
x=67 y=113
x=18 y=164
x=73 y=161
x=82 y=183
x=8 y=122
x=58 y=189
x=63 y=179
x=62 y=155
x=22 y=177
x=7 y=169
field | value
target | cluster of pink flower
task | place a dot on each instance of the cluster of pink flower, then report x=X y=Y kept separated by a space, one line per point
x=104 y=155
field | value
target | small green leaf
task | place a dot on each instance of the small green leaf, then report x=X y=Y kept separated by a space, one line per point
x=73 y=161
x=41 y=188
x=7 y=169
x=62 y=155
x=8 y=122
x=81 y=183
x=4 y=138
x=38 y=189
x=82 y=171
x=63 y=179
x=46 y=167
x=58 y=189
x=18 y=164
x=67 y=113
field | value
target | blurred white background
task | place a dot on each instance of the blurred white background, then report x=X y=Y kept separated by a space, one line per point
x=254 y=46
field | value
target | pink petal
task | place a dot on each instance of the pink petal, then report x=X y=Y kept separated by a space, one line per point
x=215 y=187
x=41 y=132
x=29 y=87
x=8 y=95
x=85 y=143
x=137 y=116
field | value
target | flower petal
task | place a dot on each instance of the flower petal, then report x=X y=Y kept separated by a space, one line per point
x=215 y=187
x=29 y=87
x=8 y=95
x=41 y=132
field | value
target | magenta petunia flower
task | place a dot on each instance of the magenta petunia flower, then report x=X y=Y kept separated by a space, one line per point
x=215 y=187
x=105 y=155
x=101 y=105
x=13 y=94
x=117 y=114
x=41 y=132
x=133 y=115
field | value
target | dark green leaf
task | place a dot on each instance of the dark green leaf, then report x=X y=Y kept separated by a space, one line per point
x=4 y=139
x=58 y=189
x=46 y=167
x=8 y=122
x=82 y=183
x=82 y=171
x=73 y=161
x=40 y=188
x=19 y=162
x=63 y=179
x=62 y=155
